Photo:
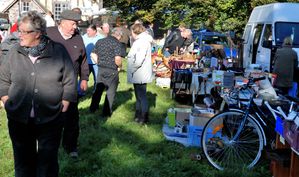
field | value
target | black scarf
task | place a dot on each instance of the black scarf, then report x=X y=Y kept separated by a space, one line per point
x=38 y=49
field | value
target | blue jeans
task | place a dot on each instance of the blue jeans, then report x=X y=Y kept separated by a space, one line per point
x=141 y=99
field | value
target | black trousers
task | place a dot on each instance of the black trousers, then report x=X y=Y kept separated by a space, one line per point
x=110 y=95
x=35 y=147
x=141 y=99
x=71 y=128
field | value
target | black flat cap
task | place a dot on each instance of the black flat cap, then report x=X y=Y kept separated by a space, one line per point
x=70 y=15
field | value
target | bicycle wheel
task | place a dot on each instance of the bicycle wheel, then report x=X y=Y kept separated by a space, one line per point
x=222 y=150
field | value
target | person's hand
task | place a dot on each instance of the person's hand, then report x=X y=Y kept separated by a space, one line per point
x=83 y=85
x=65 y=105
x=94 y=57
x=4 y=99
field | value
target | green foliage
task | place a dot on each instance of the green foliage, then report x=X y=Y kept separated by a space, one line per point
x=219 y=15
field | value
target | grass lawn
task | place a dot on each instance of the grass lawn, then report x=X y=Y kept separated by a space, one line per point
x=120 y=147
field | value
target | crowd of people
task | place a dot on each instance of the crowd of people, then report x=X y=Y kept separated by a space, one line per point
x=45 y=68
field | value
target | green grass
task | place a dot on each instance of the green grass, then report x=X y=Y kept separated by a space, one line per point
x=120 y=147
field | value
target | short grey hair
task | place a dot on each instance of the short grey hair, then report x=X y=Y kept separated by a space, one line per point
x=117 y=31
x=35 y=20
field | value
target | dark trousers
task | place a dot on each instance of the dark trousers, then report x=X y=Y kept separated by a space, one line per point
x=109 y=99
x=141 y=99
x=35 y=147
x=123 y=50
x=71 y=128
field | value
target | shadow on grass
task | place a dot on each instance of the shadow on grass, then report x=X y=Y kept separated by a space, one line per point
x=120 y=147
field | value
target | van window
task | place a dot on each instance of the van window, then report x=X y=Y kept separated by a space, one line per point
x=267 y=33
x=285 y=29
x=246 y=33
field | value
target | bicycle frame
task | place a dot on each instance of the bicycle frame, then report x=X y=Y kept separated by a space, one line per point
x=251 y=107
x=257 y=114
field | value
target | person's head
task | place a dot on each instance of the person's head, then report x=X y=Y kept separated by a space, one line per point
x=31 y=27
x=117 y=33
x=182 y=27
x=287 y=41
x=187 y=34
x=78 y=10
x=69 y=21
x=138 y=21
x=137 y=29
x=125 y=24
x=91 y=31
x=106 y=28
x=151 y=24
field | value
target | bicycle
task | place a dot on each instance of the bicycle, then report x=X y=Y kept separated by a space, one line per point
x=237 y=136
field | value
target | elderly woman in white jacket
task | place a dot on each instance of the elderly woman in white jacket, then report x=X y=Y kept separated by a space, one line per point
x=140 y=70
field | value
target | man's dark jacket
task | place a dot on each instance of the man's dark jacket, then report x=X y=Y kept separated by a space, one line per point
x=285 y=66
x=76 y=49
x=173 y=41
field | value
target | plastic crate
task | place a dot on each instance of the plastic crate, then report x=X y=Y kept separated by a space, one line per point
x=194 y=135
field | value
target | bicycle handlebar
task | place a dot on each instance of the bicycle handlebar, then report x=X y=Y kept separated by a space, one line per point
x=251 y=81
x=258 y=79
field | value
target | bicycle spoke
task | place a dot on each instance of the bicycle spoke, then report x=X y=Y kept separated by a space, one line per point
x=222 y=151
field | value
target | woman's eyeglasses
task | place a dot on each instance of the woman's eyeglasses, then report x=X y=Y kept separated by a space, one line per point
x=25 y=32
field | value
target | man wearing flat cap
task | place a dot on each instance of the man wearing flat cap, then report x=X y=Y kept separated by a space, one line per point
x=66 y=34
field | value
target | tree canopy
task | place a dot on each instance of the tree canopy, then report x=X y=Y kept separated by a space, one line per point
x=219 y=15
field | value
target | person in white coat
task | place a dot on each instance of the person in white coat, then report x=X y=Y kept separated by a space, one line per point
x=139 y=71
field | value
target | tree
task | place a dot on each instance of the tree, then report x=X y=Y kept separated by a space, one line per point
x=219 y=15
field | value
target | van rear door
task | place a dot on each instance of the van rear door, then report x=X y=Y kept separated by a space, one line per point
x=263 y=55
x=251 y=43
x=247 y=45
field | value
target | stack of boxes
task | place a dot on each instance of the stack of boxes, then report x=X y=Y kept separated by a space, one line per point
x=193 y=119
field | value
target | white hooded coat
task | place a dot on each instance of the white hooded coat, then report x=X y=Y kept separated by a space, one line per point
x=139 y=69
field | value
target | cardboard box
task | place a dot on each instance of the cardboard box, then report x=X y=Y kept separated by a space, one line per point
x=200 y=119
x=175 y=115
x=182 y=114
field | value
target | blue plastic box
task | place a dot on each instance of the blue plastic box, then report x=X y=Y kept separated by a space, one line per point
x=194 y=135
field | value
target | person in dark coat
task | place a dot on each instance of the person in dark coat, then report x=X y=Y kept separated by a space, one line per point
x=67 y=34
x=285 y=65
x=37 y=84
x=174 y=41
x=107 y=54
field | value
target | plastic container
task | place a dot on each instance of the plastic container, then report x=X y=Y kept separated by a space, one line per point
x=194 y=135
x=171 y=117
